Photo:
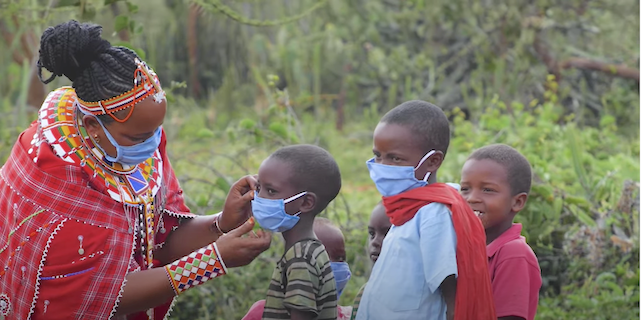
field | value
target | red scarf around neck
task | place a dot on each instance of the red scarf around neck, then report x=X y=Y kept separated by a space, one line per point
x=473 y=287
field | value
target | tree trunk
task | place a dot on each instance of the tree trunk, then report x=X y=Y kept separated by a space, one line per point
x=192 y=45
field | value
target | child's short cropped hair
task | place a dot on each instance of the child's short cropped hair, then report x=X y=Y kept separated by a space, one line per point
x=313 y=170
x=427 y=122
x=519 y=171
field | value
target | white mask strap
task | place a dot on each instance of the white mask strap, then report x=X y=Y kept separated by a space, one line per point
x=425 y=157
x=292 y=198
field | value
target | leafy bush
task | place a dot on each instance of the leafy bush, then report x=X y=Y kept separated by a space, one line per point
x=345 y=65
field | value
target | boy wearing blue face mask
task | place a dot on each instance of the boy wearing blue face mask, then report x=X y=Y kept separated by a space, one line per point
x=334 y=241
x=432 y=263
x=295 y=184
x=332 y=238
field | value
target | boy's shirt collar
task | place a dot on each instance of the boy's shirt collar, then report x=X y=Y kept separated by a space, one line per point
x=510 y=234
x=454 y=185
x=451 y=184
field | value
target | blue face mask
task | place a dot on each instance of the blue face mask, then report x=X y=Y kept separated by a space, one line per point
x=270 y=213
x=392 y=180
x=132 y=155
x=341 y=275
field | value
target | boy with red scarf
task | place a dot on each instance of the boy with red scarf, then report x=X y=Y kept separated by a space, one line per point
x=433 y=263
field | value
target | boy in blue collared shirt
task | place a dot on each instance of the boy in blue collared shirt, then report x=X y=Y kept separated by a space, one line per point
x=422 y=260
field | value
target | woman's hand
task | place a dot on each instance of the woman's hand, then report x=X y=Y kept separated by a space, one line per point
x=237 y=207
x=199 y=231
x=149 y=288
x=236 y=250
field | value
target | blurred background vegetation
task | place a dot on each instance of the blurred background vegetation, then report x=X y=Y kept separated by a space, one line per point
x=556 y=79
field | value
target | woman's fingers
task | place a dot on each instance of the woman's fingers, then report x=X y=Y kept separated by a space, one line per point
x=237 y=250
x=244 y=228
x=245 y=184
x=237 y=206
x=248 y=197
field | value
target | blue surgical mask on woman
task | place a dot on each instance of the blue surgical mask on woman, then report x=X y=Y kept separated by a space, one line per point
x=342 y=274
x=270 y=213
x=132 y=155
x=392 y=180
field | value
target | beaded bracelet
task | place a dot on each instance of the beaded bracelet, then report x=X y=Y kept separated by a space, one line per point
x=196 y=268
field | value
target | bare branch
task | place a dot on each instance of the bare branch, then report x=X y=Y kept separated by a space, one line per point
x=555 y=67
x=544 y=54
x=618 y=70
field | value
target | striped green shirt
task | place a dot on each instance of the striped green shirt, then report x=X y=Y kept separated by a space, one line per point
x=357 y=302
x=302 y=280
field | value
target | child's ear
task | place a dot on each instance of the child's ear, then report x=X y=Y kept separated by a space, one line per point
x=309 y=202
x=518 y=202
x=434 y=161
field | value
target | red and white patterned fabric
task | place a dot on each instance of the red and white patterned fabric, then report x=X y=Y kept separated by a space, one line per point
x=195 y=268
x=65 y=247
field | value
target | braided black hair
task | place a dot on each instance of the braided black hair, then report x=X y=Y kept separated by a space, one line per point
x=97 y=70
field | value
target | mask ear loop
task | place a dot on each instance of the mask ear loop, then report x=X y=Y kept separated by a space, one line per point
x=425 y=157
x=292 y=198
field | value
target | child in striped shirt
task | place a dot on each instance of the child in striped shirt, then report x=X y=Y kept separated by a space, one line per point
x=333 y=239
x=295 y=184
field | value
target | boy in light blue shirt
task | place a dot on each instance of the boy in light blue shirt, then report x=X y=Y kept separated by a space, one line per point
x=415 y=276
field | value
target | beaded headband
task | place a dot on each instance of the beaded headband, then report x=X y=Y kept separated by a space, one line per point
x=146 y=83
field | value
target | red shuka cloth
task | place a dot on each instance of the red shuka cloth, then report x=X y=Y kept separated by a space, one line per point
x=473 y=287
x=44 y=206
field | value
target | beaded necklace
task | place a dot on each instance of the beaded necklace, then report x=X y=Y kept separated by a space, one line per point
x=135 y=187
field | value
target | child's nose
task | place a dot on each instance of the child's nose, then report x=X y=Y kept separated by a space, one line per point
x=472 y=197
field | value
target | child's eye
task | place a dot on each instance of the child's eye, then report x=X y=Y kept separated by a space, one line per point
x=464 y=189
x=271 y=191
x=488 y=190
x=396 y=159
x=371 y=234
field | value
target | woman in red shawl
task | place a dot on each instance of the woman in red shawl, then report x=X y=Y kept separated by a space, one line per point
x=93 y=224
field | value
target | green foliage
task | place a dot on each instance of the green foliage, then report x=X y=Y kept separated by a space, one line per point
x=601 y=297
x=475 y=59
x=217 y=7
